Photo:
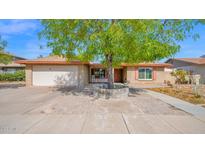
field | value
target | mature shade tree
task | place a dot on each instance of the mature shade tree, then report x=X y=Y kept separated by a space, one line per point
x=4 y=57
x=113 y=41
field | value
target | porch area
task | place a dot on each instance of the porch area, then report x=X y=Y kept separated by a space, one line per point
x=99 y=74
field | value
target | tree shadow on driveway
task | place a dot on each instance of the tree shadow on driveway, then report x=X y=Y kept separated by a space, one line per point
x=133 y=92
x=73 y=90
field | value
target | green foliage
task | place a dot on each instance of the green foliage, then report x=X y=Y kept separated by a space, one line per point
x=116 y=41
x=17 y=76
x=130 y=41
x=2 y=44
x=180 y=76
x=4 y=57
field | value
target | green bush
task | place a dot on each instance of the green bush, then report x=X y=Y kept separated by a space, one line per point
x=180 y=76
x=17 y=76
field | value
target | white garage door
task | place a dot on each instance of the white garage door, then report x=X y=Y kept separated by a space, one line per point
x=51 y=75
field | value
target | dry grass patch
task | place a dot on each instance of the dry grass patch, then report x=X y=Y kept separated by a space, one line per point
x=181 y=93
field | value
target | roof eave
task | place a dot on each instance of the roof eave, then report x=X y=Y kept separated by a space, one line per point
x=148 y=65
x=31 y=62
x=187 y=61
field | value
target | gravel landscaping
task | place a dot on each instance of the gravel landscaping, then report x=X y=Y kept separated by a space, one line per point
x=183 y=92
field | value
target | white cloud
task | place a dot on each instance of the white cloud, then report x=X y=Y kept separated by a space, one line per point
x=17 y=27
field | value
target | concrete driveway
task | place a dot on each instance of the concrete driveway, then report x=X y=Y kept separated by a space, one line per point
x=53 y=110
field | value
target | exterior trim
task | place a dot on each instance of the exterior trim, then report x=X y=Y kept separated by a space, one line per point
x=148 y=65
x=33 y=62
x=39 y=62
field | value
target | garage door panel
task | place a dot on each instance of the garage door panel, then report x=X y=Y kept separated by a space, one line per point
x=55 y=75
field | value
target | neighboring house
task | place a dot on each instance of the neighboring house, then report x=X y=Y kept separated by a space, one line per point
x=54 y=70
x=12 y=66
x=193 y=65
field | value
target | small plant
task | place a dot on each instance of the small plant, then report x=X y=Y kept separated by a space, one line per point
x=197 y=96
x=168 y=83
x=180 y=76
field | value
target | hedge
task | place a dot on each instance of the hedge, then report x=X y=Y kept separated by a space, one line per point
x=17 y=76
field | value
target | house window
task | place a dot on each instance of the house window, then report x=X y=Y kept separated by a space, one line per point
x=98 y=73
x=145 y=73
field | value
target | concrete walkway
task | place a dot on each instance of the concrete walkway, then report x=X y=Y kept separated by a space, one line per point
x=178 y=103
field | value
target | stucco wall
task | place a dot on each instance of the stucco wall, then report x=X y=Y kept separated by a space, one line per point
x=160 y=76
x=28 y=73
x=200 y=69
x=83 y=75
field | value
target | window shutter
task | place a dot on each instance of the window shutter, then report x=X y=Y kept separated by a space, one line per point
x=136 y=73
x=154 y=74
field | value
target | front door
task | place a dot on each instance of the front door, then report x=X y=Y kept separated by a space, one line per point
x=117 y=75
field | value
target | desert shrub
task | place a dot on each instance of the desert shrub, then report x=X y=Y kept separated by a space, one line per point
x=180 y=76
x=17 y=76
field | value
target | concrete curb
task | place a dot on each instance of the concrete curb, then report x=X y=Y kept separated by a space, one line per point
x=178 y=103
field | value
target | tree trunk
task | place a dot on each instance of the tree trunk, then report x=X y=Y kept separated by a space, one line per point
x=110 y=73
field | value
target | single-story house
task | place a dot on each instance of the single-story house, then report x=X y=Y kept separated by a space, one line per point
x=12 y=66
x=55 y=70
x=193 y=65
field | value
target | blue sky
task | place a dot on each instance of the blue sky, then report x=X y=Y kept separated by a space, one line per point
x=23 y=41
x=22 y=38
